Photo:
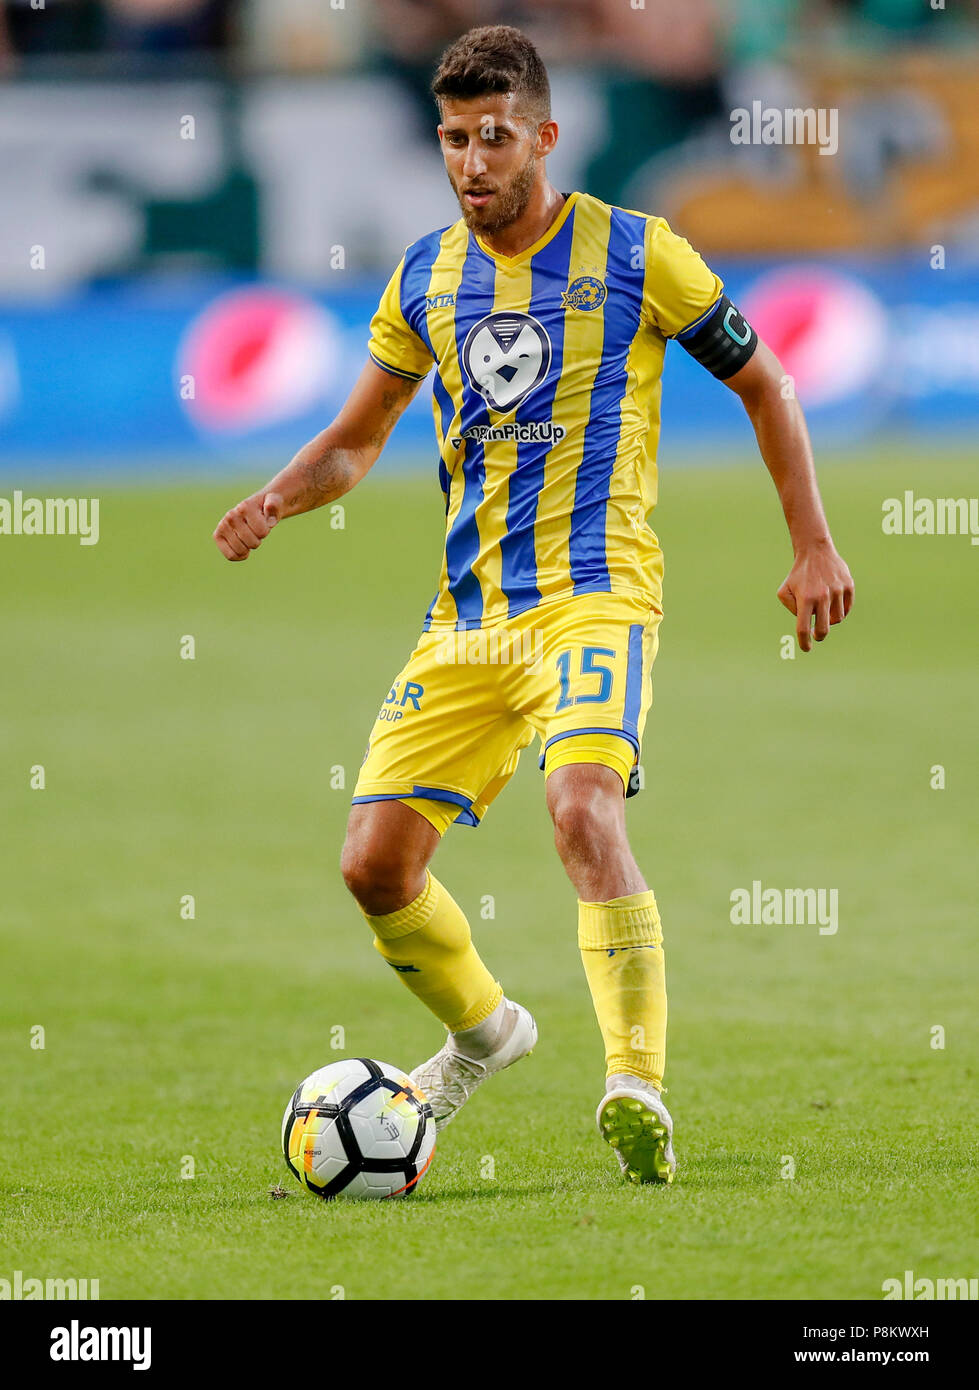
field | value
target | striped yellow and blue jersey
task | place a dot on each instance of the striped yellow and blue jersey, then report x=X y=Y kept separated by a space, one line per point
x=546 y=400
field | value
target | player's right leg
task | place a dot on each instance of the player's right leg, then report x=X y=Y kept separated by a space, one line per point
x=423 y=934
x=441 y=748
x=386 y=852
x=418 y=928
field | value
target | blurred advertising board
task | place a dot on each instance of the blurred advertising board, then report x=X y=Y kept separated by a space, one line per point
x=219 y=369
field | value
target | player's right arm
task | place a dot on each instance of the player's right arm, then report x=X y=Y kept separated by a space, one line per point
x=326 y=467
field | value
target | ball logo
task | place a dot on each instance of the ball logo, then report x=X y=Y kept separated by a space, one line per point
x=506 y=357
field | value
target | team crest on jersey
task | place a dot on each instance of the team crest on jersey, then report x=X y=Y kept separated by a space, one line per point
x=506 y=357
x=587 y=292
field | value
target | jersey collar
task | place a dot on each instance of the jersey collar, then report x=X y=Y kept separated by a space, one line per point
x=538 y=245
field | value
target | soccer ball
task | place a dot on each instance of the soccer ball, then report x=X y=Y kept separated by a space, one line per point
x=358 y=1128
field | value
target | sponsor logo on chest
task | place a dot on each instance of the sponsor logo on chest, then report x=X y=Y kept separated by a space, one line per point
x=506 y=356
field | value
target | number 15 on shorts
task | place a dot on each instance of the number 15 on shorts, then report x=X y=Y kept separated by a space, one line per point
x=592 y=667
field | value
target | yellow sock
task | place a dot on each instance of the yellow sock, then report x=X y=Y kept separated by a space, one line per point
x=621 y=945
x=430 y=945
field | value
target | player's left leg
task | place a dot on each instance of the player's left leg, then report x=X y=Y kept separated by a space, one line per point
x=588 y=699
x=621 y=943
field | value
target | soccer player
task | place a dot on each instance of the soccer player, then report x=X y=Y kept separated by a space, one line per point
x=546 y=316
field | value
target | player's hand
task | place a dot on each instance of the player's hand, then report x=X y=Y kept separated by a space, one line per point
x=243 y=529
x=819 y=591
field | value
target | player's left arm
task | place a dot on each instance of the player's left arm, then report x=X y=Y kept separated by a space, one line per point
x=685 y=300
x=819 y=587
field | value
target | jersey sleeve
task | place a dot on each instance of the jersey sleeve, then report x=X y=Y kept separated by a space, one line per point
x=679 y=287
x=394 y=345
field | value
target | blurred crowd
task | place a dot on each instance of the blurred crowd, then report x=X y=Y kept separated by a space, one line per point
x=666 y=67
x=647 y=92
x=684 y=41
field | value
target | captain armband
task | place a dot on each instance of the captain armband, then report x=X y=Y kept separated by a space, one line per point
x=721 y=340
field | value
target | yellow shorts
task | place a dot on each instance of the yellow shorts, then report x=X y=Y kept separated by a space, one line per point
x=576 y=672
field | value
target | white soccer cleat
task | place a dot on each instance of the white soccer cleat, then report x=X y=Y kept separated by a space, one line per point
x=450 y=1077
x=634 y=1120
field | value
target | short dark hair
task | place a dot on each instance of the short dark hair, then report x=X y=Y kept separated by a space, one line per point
x=495 y=58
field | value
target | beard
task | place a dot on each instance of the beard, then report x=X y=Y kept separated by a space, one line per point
x=509 y=204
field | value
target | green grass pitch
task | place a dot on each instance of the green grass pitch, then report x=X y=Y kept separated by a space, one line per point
x=173 y=1044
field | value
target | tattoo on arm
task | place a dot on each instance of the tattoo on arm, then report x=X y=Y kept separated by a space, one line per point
x=324 y=476
x=323 y=472
x=392 y=404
